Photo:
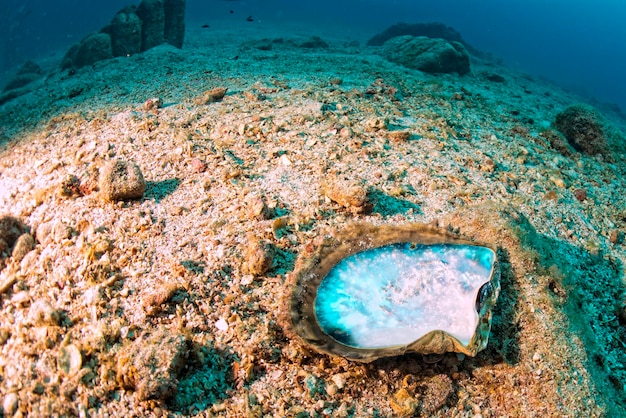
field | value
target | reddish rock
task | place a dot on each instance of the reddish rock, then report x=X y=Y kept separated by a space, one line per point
x=198 y=166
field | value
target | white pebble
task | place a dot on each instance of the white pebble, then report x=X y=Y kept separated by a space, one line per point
x=9 y=405
x=221 y=324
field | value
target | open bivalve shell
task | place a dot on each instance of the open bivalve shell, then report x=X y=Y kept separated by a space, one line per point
x=378 y=291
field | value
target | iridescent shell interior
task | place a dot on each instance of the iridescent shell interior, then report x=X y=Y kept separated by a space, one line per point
x=376 y=291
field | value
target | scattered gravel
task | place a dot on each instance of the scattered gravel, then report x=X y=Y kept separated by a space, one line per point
x=167 y=296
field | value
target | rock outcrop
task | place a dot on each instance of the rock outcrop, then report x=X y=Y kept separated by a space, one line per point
x=152 y=15
x=27 y=73
x=126 y=32
x=430 y=30
x=132 y=30
x=93 y=48
x=174 y=30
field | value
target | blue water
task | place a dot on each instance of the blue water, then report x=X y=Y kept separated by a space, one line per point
x=578 y=44
x=396 y=294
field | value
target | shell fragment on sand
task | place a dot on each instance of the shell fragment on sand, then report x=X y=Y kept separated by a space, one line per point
x=372 y=292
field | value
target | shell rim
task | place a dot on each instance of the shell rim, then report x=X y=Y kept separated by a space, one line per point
x=312 y=269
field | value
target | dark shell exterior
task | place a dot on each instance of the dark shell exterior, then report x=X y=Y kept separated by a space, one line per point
x=313 y=266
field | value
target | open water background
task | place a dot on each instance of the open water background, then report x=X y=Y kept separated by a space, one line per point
x=578 y=44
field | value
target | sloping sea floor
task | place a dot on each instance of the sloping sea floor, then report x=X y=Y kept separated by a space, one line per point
x=255 y=167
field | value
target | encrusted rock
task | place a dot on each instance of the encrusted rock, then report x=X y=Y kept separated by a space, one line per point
x=133 y=29
x=27 y=73
x=10 y=230
x=431 y=30
x=403 y=403
x=584 y=129
x=256 y=207
x=399 y=136
x=375 y=124
x=95 y=47
x=152 y=363
x=427 y=54
x=70 y=57
x=42 y=313
x=436 y=394
x=152 y=14
x=174 y=31
x=24 y=244
x=258 y=257
x=211 y=96
x=126 y=32
x=557 y=142
x=198 y=166
x=121 y=180
x=314 y=42
x=153 y=103
x=53 y=231
x=70 y=359
x=349 y=194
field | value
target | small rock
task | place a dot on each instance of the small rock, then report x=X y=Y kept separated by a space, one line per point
x=42 y=313
x=153 y=103
x=121 y=180
x=10 y=229
x=211 y=96
x=221 y=324
x=616 y=236
x=9 y=405
x=580 y=195
x=24 y=244
x=403 y=404
x=314 y=42
x=436 y=394
x=493 y=77
x=349 y=194
x=258 y=257
x=345 y=132
x=198 y=166
x=339 y=380
x=399 y=136
x=152 y=299
x=256 y=207
x=70 y=360
x=70 y=186
x=375 y=124
x=4 y=336
x=52 y=232
x=152 y=363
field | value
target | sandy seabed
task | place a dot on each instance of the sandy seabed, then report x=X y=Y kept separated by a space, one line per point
x=175 y=276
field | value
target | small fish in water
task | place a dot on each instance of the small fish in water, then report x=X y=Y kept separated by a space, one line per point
x=250 y=19
x=232 y=11
x=205 y=26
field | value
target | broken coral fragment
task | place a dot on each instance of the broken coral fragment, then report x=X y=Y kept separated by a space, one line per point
x=370 y=292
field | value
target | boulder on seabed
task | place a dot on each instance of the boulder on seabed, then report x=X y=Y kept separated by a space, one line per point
x=125 y=31
x=430 y=55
